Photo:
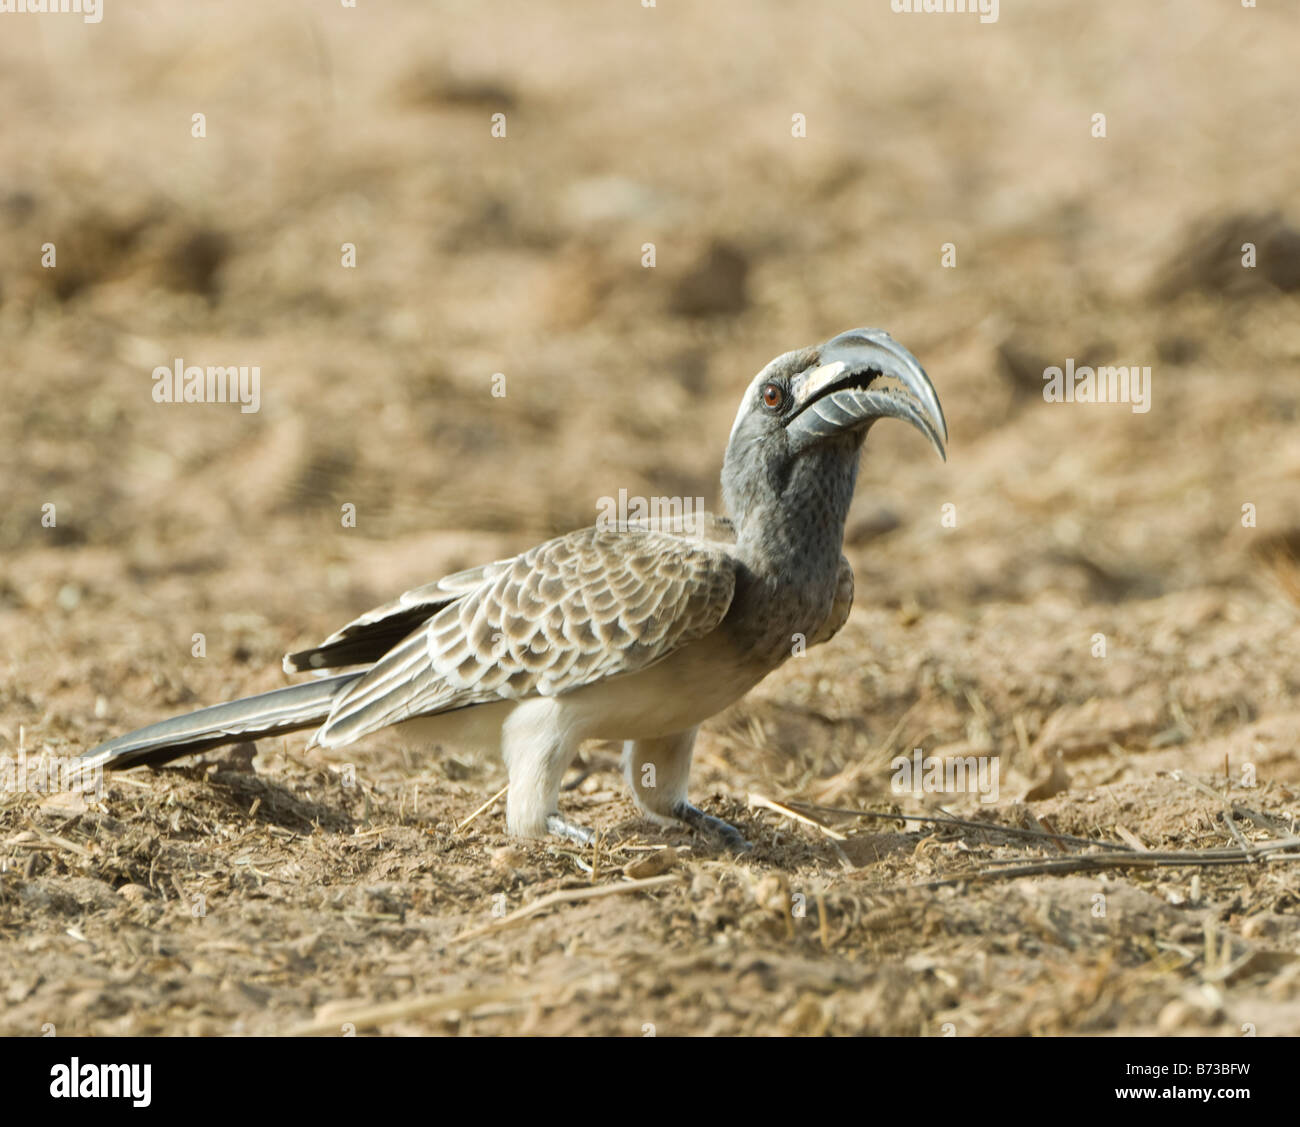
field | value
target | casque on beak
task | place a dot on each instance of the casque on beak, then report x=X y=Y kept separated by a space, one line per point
x=846 y=390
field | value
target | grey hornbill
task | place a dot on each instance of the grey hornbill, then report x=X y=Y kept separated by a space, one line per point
x=635 y=633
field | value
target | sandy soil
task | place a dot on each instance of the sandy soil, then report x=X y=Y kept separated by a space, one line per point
x=303 y=890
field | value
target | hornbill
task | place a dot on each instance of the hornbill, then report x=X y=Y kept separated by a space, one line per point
x=635 y=632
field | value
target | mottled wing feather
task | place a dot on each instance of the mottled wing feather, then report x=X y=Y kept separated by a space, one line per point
x=575 y=610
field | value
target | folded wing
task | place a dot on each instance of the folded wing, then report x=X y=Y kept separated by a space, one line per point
x=593 y=604
x=366 y=639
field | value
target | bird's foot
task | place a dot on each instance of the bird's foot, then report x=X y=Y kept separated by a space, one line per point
x=707 y=824
x=560 y=826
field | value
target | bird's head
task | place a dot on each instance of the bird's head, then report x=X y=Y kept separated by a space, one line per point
x=803 y=419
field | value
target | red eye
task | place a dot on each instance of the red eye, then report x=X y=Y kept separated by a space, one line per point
x=773 y=396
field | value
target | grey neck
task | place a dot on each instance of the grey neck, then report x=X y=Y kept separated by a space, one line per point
x=790 y=523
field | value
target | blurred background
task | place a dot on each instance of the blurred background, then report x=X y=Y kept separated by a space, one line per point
x=522 y=255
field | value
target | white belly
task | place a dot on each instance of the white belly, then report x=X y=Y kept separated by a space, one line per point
x=678 y=693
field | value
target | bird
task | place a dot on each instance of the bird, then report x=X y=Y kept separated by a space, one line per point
x=635 y=631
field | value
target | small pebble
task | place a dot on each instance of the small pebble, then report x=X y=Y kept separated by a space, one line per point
x=136 y=893
x=651 y=865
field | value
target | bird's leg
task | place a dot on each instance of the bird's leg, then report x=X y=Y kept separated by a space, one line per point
x=537 y=752
x=657 y=771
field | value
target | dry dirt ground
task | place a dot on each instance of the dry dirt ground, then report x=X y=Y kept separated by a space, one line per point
x=303 y=890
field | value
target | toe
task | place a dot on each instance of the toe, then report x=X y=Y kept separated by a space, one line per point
x=697 y=819
x=560 y=826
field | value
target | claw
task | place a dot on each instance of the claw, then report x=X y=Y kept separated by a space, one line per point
x=562 y=827
x=707 y=824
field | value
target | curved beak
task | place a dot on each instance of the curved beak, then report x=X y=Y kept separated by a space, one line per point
x=856 y=381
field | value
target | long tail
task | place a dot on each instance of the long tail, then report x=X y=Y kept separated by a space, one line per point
x=267 y=714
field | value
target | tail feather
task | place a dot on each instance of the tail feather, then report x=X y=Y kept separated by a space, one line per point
x=267 y=714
